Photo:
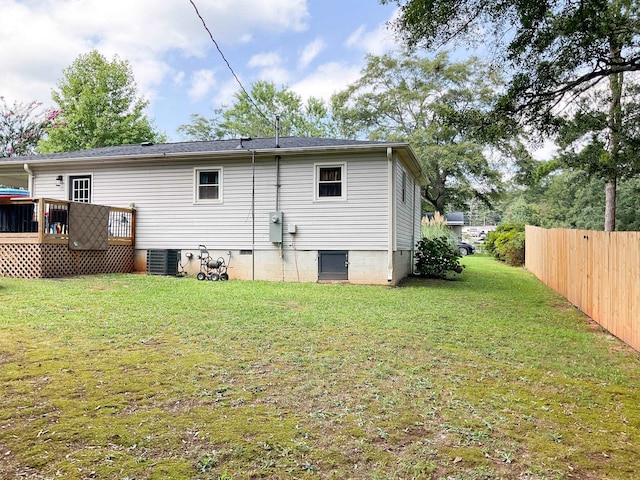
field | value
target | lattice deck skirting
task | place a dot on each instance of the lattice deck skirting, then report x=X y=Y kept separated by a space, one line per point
x=23 y=260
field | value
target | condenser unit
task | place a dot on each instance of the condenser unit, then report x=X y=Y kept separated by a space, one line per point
x=163 y=262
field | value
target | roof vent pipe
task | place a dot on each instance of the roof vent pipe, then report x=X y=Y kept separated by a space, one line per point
x=277 y=131
x=245 y=139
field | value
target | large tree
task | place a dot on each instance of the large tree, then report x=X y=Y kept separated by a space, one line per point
x=569 y=199
x=255 y=116
x=100 y=107
x=433 y=104
x=557 y=51
x=22 y=126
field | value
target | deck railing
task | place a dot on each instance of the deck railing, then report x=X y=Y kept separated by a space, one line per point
x=45 y=220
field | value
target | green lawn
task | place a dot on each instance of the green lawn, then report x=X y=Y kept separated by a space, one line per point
x=139 y=377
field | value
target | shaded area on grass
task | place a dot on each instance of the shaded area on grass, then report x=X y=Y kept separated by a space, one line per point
x=489 y=376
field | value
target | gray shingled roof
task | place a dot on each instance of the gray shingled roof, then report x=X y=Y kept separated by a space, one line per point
x=217 y=146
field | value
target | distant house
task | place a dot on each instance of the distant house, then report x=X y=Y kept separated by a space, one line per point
x=455 y=221
x=307 y=209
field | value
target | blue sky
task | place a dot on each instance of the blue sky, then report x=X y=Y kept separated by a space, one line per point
x=315 y=47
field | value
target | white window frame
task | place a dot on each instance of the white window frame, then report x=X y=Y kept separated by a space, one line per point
x=196 y=185
x=343 y=181
x=73 y=176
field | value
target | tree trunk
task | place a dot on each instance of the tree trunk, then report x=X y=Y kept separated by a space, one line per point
x=610 y=205
x=615 y=128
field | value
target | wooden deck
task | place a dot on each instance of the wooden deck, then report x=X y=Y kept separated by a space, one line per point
x=35 y=241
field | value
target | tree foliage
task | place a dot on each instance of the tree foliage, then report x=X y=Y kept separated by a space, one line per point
x=22 y=126
x=571 y=199
x=558 y=51
x=507 y=243
x=255 y=116
x=100 y=107
x=435 y=105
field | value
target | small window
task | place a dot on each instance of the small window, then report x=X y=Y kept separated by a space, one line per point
x=330 y=182
x=404 y=187
x=208 y=185
x=80 y=188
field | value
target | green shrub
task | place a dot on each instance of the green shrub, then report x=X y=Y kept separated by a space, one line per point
x=438 y=257
x=507 y=243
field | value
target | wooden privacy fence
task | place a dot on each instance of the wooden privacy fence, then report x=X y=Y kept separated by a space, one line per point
x=598 y=272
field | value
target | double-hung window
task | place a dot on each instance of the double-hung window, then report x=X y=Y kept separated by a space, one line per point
x=208 y=185
x=331 y=181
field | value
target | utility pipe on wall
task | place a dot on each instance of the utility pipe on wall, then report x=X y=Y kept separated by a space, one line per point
x=277 y=183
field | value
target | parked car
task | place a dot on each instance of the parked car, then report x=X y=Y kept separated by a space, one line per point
x=466 y=249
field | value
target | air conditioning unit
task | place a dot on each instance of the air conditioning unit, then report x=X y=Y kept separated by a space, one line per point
x=163 y=262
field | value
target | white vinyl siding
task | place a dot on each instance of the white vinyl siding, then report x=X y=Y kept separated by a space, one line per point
x=359 y=223
x=407 y=210
x=162 y=194
x=167 y=217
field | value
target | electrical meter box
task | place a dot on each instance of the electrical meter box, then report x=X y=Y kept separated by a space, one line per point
x=275 y=227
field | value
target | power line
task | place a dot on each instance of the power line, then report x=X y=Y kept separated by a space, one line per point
x=204 y=24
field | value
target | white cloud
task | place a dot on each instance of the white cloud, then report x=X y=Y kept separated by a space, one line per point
x=276 y=75
x=202 y=81
x=546 y=151
x=178 y=79
x=310 y=52
x=40 y=39
x=225 y=94
x=271 y=69
x=265 y=60
x=326 y=80
x=376 y=42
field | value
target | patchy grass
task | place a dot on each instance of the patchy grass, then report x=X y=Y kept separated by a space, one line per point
x=491 y=376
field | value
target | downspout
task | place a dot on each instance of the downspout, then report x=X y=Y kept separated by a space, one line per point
x=413 y=227
x=30 y=181
x=253 y=214
x=391 y=221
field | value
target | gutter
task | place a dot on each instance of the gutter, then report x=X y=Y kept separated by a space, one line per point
x=390 y=214
x=292 y=151
x=30 y=184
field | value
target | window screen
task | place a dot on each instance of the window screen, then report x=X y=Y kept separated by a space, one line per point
x=330 y=181
x=208 y=187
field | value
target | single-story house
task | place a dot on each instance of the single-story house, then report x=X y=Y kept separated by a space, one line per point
x=288 y=209
x=455 y=221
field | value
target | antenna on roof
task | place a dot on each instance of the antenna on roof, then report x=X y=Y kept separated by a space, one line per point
x=277 y=131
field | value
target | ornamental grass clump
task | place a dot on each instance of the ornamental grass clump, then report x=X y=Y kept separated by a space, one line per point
x=437 y=254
